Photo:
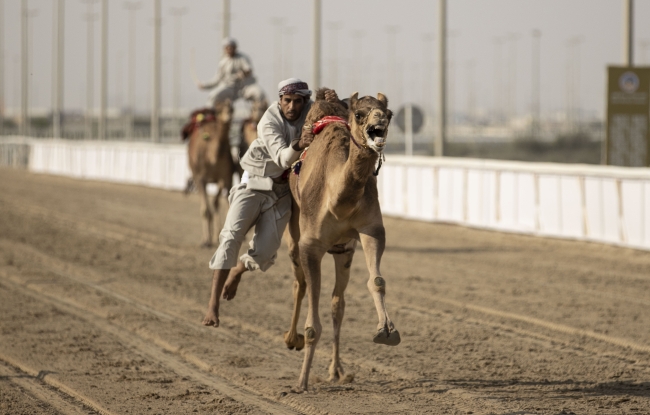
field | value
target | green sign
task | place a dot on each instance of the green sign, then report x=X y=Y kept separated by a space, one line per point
x=628 y=109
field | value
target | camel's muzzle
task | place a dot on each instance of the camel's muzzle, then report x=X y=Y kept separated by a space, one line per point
x=376 y=136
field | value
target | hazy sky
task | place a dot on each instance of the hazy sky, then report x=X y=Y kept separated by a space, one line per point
x=368 y=45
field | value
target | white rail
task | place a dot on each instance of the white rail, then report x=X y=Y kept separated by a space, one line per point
x=595 y=203
x=585 y=202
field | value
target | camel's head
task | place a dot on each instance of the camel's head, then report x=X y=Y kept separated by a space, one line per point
x=224 y=110
x=369 y=119
x=322 y=108
x=258 y=107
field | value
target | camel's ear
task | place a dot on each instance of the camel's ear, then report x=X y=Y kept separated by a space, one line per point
x=353 y=100
x=382 y=98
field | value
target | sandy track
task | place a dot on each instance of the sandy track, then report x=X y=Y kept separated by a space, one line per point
x=102 y=288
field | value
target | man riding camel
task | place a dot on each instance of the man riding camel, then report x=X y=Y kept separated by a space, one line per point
x=263 y=198
x=234 y=78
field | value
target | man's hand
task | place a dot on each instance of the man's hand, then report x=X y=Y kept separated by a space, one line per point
x=305 y=139
x=330 y=96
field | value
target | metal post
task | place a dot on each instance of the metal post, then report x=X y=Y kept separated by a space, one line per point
x=155 y=104
x=103 y=72
x=178 y=13
x=130 y=130
x=2 y=67
x=408 y=129
x=316 y=51
x=628 y=33
x=24 y=70
x=225 y=27
x=535 y=105
x=57 y=69
x=438 y=145
x=90 y=33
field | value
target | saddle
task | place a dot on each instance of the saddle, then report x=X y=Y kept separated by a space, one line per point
x=197 y=119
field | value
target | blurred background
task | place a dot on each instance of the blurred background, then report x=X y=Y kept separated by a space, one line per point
x=526 y=80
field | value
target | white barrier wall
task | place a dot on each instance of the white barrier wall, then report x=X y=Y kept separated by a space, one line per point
x=155 y=165
x=596 y=203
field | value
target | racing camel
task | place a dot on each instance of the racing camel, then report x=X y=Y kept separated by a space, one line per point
x=210 y=161
x=336 y=204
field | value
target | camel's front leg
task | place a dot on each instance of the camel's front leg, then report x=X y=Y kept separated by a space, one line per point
x=206 y=214
x=342 y=262
x=311 y=255
x=292 y=235
x=373 y=241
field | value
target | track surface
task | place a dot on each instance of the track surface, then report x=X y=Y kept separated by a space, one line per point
x=103 y=287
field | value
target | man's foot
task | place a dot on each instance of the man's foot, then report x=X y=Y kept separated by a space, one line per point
x=211 y=318
x=230 y=287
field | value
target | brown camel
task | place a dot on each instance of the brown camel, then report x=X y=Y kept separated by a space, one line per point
x=211 y=162
x=336 y=204
x=249 y=125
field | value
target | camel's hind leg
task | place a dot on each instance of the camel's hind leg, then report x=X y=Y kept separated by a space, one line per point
x=343 y=262
x=219 y=217
x=373 y=241
x=292 y=236
x=206 y=213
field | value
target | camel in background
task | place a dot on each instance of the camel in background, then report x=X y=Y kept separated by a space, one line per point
x=335 y=204
x=210 y=161
x=249 y=125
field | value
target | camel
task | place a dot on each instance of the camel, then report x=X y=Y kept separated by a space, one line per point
x=211 y=162
x=335 y=204
x=249 y=125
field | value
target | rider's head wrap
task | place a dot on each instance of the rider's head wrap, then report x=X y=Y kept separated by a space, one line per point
x=293 y=86
x=229 y=42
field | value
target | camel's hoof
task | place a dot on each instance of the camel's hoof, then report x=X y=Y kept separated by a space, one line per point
x=206 y=245
x=299 y=344
x=383 y=336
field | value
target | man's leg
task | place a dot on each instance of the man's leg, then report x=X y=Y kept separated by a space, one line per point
x=212 y=315
x=244 y=209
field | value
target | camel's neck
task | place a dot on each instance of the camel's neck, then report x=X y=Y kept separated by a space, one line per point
x=356 y=172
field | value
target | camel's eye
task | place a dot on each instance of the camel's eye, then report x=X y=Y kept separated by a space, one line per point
x=358 y=116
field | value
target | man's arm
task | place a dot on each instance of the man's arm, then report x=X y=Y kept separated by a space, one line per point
x=215 y=79
x=281 y=153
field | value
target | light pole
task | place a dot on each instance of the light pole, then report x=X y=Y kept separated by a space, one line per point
x=225 y=27
x=2 y=68
x=628 y=33
x=155 y=96
x=57 y=69
x=427 y=81
x=536 y=97
x=132 y=7
x=24 y=69
x=498 y=77
x=103 y=71
x=438 y=147
x=316 y=46
x=512 y=76
x=90 y=33
x=178 y=13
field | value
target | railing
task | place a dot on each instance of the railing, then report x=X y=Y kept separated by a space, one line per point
x=586 y=202
x=595 y=203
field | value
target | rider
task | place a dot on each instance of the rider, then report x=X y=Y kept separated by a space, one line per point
x=234 y=78
x=263 y=198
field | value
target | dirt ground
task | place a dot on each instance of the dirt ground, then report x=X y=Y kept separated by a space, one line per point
x=103 y=287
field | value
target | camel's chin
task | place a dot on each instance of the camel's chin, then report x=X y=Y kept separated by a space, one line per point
x=378 y=147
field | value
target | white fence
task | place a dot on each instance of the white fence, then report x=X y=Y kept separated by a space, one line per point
x=596 y=203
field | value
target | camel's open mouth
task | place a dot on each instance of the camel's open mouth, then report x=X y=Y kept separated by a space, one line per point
x=375 y=135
